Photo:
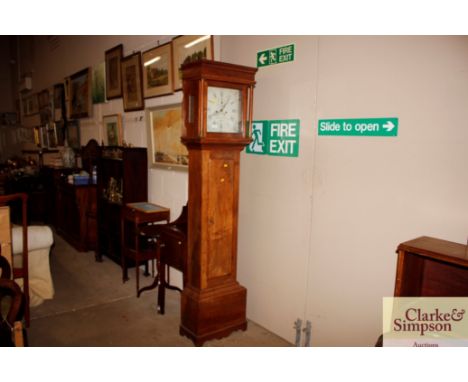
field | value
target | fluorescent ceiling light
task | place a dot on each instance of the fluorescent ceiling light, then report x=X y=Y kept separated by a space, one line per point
x=152 y=61
x=195 y=42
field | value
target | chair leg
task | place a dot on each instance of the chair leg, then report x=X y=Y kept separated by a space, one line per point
x=123 y=262
x=137 y=275
x=27 y=317
x=162 y=288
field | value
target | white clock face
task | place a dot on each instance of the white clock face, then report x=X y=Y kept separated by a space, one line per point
x=224 y=114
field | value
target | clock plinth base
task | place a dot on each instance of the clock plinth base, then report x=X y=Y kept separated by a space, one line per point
x=213 y=313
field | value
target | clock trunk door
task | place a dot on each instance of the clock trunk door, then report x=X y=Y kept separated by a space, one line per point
x=222 y=216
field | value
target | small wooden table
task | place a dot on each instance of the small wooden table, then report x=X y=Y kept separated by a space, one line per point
x=134 y=217
x=430 y=267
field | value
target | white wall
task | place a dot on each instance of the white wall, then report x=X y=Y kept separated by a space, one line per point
x=318 y=233
x=372 y=193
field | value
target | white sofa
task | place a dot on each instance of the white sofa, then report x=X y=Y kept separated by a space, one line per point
x=40 y=239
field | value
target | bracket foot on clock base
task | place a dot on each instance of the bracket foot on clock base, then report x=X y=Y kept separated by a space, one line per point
x=213 y=313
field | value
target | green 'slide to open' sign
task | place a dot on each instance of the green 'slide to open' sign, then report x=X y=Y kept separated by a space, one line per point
x=382 y=127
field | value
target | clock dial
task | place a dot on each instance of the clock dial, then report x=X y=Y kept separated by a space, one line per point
x=224 y=110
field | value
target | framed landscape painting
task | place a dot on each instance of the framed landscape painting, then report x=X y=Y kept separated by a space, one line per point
x=157 y=71
x=189 y=49
x=113 y=57
x=164 y=127
x=132 y=89
x=80 y=94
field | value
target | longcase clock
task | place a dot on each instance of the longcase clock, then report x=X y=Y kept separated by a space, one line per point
x=217 y=106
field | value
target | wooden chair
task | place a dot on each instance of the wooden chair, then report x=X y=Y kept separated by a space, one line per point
x=11 y=328
x=21 y=271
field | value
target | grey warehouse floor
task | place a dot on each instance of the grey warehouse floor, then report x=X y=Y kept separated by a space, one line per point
x=92 y=307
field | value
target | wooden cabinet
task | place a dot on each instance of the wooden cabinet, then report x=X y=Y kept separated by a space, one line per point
x=430 y=267
x=53 y=177
x=122 y=178
x=76 y=218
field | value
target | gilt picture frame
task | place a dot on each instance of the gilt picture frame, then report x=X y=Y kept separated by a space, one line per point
x=157 y=71
x=132 y=87
x=164 y=129
x=189 y=49
x=59 y=101
x=31 y=104
x=112 y=129
x=73 y=134
x=113 y=58
x=79 y=101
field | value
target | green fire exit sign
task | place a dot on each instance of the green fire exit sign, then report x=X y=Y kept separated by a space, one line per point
x=277 y=138
x=275 y=56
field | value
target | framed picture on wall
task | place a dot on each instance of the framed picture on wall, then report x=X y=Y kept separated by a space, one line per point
x=132 y=89
x=51 y=136
x=164 y=129
x=45 y=106
x=44 y=136
x=98 y=83
x=112 y=129
x=59 y=132
x=80 y=94
x=113 y=57
x=157 y=71
x=73 y=134
x=31 y=104
x=59 y=101
x=189 y=49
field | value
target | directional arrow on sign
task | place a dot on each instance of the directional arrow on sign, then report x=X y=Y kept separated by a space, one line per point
x=389 y=126
x=262 y=58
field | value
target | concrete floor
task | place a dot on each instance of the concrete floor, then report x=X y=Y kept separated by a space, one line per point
x=92 y=307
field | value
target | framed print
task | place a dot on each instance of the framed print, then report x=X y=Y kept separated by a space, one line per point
x=32 y=104
x=157 y=71
x=45 y=106
x=73 y=134
x=59 y=102
x=132 y=89
x=98 y=83
x=59 y=132
x=113 y=57
x=37 y=136
x=112 y=125
x=164 y=127
x=44 y=137
x=51 y=136
x=80 y=94
x=189 y=49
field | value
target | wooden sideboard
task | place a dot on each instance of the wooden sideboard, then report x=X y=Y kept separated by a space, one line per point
x=430 y=267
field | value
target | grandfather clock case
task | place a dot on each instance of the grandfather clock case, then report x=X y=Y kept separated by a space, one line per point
x=217 y=107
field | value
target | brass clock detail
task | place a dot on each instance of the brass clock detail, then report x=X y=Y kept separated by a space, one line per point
x=217 y=107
